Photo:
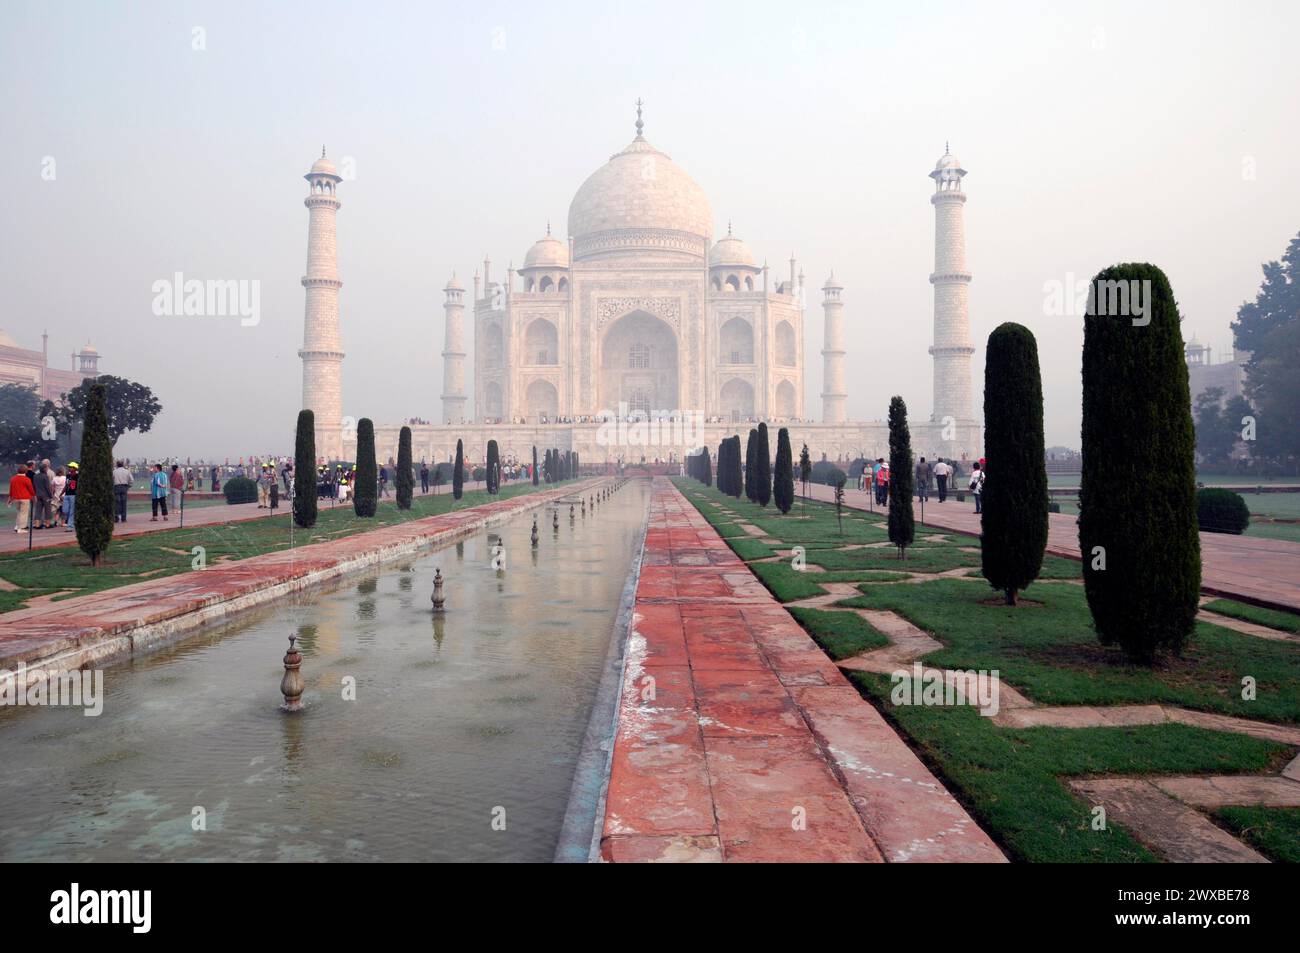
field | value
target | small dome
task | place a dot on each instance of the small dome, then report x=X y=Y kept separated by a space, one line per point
x=547 y=252
x=453 y=284
x=731 y=252
x=947 y=161
x=323 y=165
x=89 y=349
x=832 y=284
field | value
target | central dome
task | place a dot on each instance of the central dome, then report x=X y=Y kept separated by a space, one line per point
x=638 y=202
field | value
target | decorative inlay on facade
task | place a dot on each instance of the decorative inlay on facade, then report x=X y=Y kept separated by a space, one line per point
x=648 y=238
x=667 y=308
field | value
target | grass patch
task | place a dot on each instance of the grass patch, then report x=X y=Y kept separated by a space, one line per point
x=750 y=548
x=1282 y=621
x=1051 y=652
x=841 y=634
x=786 y=583
x=1273 y=831
x=132 y=559
x=1011 y=778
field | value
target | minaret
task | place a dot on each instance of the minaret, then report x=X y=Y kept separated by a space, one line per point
x=833 y=391
x=322 y=350
x=952 y=349
x=453 y=353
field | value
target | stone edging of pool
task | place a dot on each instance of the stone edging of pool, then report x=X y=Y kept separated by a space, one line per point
x=95 y=628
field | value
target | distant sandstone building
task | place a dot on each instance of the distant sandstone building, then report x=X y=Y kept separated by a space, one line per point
x=640 y=317
x=1203 y=373
x=18 y=365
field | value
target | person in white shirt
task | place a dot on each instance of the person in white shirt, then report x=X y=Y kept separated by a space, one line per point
x=942 y=471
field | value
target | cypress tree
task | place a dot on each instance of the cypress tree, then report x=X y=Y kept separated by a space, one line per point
x=722 y=467
x=783 y=478
x=364 y=490
x=1137 y=492
x=1014 y=522
x=535 y=465
x=493 y=464
x=751 y=458
x=736 y=479
x=762 y=468
x=94 y=516
x=458 y=472
x=901 y=527
x=304 y=471
x=706 y=467
x=403 y=481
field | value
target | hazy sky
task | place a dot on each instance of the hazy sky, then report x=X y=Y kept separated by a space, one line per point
x=1093 y=133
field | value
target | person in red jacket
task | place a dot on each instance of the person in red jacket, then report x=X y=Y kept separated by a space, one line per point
x=21 y=494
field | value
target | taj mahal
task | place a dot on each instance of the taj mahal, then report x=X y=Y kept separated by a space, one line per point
x=640 y=315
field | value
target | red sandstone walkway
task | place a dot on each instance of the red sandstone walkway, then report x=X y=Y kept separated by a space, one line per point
x=137 y=523
x=80 y=630
x=739 y=740
x=1264 y=571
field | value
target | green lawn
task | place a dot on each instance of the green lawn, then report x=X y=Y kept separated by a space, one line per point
x=1283 y=621
x=1047 y=648
x=1011 y=779
x=1273 y=831
x=163 y=553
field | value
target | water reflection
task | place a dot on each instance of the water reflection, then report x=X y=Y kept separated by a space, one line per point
x=490 y=711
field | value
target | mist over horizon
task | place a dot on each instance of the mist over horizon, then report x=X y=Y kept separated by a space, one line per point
x=1091 y=135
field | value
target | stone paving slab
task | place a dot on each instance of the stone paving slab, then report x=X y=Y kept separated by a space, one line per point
x=1252 y=568
x=1173 y=830
x=1228 y=790
x=739 y=740
x=91 y=628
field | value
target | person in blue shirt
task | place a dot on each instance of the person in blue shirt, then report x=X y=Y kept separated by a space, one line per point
x=158 y=486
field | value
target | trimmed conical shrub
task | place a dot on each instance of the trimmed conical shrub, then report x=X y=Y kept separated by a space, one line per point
x=1014 y=520
x=304 y=471
x=493 y=467
x=535 y=478
x=902 y=529
x=94 y=516
x=783 y=478
x=458 y=472
x=365 y=489
x=762 y=468
x=1137 y=493
x=751 y=460
x=404 y=481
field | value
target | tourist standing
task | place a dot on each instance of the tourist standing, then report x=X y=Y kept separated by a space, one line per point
x=941 y=474
x=922 y=480
x=424 y=477
x=882 y=483
x=59 y=483
x=21 y=494
x=177 y=485
x=70 y=499
x=264 y=479
x=158 y=487
x=977 y=486
x=121 y=486
x=383 y=481
x=44 y=491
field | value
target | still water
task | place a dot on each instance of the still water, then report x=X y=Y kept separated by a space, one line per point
x=458 y=722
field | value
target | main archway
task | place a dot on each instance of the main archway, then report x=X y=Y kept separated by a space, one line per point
x=638 y=364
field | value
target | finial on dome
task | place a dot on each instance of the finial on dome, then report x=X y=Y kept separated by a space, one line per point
x=728 y=228
x=946 y=150
x=639 y=124
x=322 y=150
x=548 y=228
